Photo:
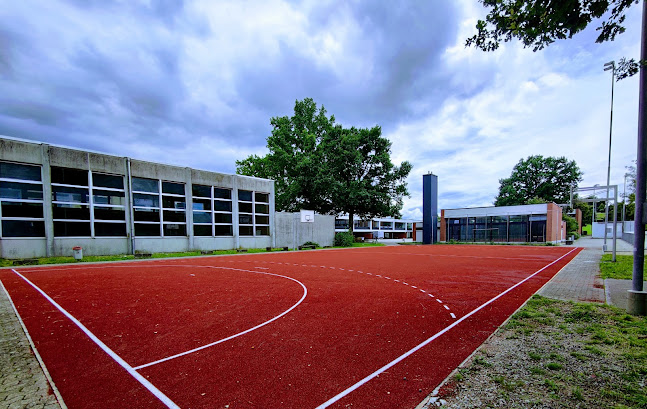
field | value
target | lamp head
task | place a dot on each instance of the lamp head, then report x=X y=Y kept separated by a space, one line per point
x=611 y=65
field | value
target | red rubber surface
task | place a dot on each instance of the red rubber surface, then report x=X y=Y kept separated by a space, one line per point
x=349 y=325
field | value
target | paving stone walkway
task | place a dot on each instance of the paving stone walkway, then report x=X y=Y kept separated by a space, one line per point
x=22 y=381
x=579 y=280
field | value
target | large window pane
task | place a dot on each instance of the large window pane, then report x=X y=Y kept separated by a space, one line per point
x=262 y=219
x=110 y=229
x=75 y=229
x=146 y=200
x=172 y=202
x=246 y=230
x=20 y=228
x=201 y=217
x=174 y=230
x=201 y=230
x=201 y=191
x=171 y=216
x=147 y=229
x=262 y=197
x=13 y=190
x=69 y=194
x=147 y=215
x=71 y=211
x=16 y=209
x=111 y=181
x=245 y=195
x=262 y=230
x=19 y=171
x=173 y=188
x=109 y=213
x=145 y=185
x=244 y=207
x=262 y=208
x=201 y=204
x=219 y=193
x=109 y=197
x=221 y=206
x=69 y=176
x=245 y=219
x=222 y=230
x=222 y=217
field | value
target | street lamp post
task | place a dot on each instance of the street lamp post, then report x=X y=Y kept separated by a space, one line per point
x=611 y=65
x=624 y=202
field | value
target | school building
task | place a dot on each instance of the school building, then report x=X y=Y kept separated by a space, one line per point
x=525 y=223
x=55 y=198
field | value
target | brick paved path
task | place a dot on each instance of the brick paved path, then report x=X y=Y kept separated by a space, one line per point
x=580 y=279
x=22 y=381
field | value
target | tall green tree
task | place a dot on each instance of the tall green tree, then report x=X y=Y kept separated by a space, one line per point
x=294 y=159
x=322 y=166
x=537 y=177
x=539 y=23
x=362 y=179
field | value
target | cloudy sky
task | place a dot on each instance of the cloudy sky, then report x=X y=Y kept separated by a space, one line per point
x=195 y=83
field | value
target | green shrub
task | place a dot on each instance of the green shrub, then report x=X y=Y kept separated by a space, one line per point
x=344 y=239
x=311 y=243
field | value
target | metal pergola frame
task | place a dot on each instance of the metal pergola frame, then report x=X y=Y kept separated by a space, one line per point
x=607 y=198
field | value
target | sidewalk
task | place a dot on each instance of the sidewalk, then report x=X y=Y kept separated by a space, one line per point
x=22 y=381
x=580 y=281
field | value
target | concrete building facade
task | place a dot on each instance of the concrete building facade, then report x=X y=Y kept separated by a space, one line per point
x=526 y=223
x=55 y=198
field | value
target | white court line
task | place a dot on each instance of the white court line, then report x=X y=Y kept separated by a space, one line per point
x=151 y=388
x=433 y=337
x=305 y=292
x=453 y=315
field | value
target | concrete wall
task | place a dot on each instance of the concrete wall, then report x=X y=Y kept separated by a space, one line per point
x=19 y=151
x=290 y=232
x=597 y=230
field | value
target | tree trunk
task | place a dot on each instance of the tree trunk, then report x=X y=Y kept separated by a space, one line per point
x=350 y=222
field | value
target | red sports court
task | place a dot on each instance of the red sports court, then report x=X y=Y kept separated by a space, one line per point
x=376 y=327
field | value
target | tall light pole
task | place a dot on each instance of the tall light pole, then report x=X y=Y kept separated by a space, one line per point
x=624 y=203
x=611 y=65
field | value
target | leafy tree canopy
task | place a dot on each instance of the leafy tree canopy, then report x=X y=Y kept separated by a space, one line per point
x=538 y=23
x=322 y=166
x=537 y=179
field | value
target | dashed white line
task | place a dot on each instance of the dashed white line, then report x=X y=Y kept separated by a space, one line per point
x=446 y=307
x=453 y=315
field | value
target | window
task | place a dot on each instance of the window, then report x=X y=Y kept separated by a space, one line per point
x=108 y=205
x=362 y=224
x=71 y=202
x=159 y=208
x=212 y=215
x=174 y=209
x=341 y=224
x=400 y=226
x=386 y=225
x=146 y=207
x=21 y=200
x=253 y=213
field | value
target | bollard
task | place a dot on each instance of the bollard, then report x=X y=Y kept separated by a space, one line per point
x=78 y=253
